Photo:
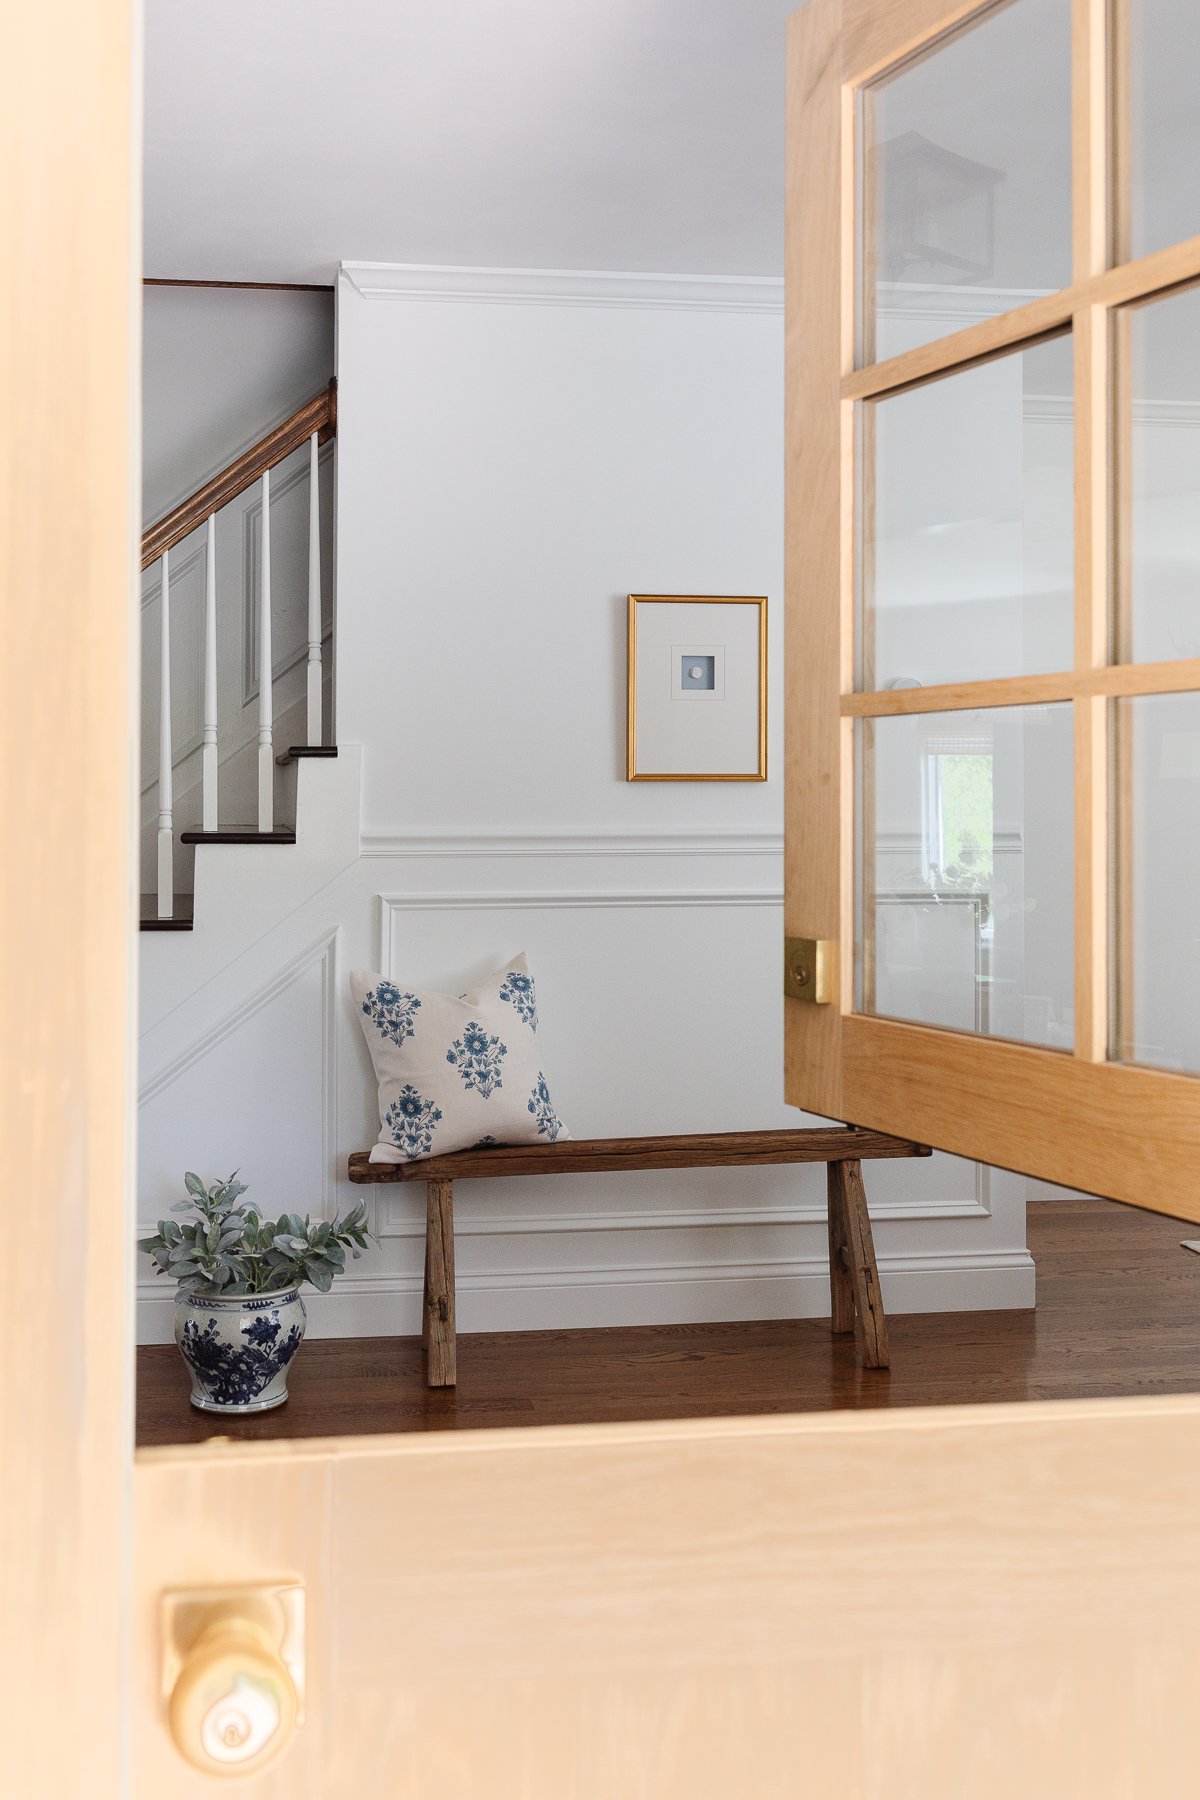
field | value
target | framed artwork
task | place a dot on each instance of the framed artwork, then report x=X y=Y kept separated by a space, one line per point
x=697 y=688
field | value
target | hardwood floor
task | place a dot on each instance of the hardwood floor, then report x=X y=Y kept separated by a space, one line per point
x=1118 y=1312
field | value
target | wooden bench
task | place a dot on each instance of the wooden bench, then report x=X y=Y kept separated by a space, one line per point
x=855 y=1301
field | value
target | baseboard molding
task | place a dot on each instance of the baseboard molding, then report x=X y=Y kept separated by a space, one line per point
x=555 y=1299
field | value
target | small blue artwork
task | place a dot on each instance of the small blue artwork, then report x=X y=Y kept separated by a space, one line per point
x=697 y=674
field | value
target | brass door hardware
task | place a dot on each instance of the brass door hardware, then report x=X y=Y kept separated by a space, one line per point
x=808 y=969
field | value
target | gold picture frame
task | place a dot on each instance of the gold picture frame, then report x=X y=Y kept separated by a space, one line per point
x=632 y=771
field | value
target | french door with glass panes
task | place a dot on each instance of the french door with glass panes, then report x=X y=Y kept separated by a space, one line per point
x=993 y=493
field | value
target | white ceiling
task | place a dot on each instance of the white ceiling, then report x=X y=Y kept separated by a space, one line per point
x=283 y=136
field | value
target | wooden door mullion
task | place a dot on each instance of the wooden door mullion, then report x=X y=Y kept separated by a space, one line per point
x=1089 y=147
x=1121 y=984
x=818 y=531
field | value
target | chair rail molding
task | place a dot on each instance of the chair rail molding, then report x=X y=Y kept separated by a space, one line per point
x=565 y=287
x=682 y=842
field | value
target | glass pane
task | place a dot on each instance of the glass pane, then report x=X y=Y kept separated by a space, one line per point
x=966 y=161
x=1158 y=462
x=1161 y=50
x=965 y=876
x=1156 y=880
x=967 y=521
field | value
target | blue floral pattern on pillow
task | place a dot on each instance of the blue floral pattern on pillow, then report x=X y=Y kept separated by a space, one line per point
x=518 y=990
x=393 y=1013
x=542 y=1107
x=411 y=1121
x=477 y=1057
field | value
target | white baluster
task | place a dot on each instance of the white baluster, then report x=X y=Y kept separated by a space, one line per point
x=166 y=834
x=209 y=754
x=314 y=595
x=266 y=763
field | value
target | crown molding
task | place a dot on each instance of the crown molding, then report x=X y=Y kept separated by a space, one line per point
x=565 y=287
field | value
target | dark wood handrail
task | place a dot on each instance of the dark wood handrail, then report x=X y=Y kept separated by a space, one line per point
x=318 y=414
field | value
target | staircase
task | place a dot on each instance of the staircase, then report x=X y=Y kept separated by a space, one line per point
x=168 y=907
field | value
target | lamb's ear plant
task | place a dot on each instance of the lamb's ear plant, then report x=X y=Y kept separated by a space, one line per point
x=226 y=1247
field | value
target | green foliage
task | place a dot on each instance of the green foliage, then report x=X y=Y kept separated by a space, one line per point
x=966 y=789
x=226 y=1247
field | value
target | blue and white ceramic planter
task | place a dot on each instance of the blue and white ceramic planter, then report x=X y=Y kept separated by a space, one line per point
x=239 y=1349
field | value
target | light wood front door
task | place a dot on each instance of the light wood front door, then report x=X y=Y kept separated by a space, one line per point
x=993 y=654
x=969 y=1602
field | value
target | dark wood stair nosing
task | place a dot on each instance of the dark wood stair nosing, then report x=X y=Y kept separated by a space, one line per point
x=237 y=837
x=295 y=752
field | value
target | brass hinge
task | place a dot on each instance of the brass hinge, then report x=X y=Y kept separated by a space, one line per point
x=808 y=969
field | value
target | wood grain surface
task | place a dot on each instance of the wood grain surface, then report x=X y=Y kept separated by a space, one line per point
x=598 y=1156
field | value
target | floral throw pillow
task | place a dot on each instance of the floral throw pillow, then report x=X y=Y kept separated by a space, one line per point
x=456 y=1073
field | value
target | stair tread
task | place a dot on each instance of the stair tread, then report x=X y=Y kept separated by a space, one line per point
x=234 y=834
x=178 y=920
x=296 y=752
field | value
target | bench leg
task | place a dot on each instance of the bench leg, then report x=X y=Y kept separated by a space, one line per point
x=856 y=1301
x=437 y=1331
x=841 y=1288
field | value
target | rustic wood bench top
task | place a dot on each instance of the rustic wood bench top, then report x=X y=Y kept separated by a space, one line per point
x=694 y=1150
x=855 y=1299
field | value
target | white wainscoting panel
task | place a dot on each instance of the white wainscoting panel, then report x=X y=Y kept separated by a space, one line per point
x=264 y=1075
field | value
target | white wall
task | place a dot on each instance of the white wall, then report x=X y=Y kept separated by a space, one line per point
x=221 y=366
x=508 y=474
x=515 y=455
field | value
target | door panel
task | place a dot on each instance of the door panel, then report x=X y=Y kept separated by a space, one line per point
x=968 y=476
x=859 y=1607
x=67 y=374
x=865 y=1607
